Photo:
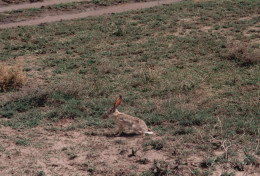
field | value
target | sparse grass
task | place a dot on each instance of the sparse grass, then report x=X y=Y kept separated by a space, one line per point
x=62 y=99
x=107 y=2
x=72 y=155
x=40 y=173
x=160 y=168
x=22 y=141
x=206 y=163
x=238 y=165
x=156 y=144
x=227 y=174
x=171 y=64
x=240 y=53
x=143 y=161
x=119 y=141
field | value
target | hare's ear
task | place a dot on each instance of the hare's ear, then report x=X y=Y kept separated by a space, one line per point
x=118 y=101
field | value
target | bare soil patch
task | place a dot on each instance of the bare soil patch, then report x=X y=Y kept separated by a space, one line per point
x=54 y=150
x=80 y=151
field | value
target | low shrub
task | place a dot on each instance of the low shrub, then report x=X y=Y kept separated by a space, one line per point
x=11 y=77
x=156 y=144
x=240 y=53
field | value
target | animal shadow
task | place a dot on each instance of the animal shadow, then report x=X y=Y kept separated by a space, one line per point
x=123 y=134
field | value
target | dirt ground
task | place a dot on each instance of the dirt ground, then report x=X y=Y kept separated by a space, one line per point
x=64 y=153
x=58 y=152
x=55 y=150
x=62 y=148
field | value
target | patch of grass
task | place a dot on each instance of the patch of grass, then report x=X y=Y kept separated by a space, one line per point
x=163 y=129
x=32 y=11
x=64 y=148
x=28 y=120
x=72 y=155
x=196 y=119
x=160 y=168
x=40 y=173
x=183 y=131
x=22 y=141
x=2 y=149
x=16 y=11
x=195 y=172
x=100 y=2
x=228 y=174
x=107 y=2
x=119 y=141
x=156 y=144
x=143 y=161
x=206 y=163
x=24 y=107
x=91 y=169
x=64 y=6
x=250 y=159
x=240 y=53
x=238 y=165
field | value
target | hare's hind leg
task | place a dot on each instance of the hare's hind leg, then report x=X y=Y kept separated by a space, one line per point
x=136 y=129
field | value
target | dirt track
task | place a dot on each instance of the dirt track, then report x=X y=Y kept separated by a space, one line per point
x=90 y=12
x=35 y=5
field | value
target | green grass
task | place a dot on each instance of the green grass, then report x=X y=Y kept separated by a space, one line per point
x=22 y=141
x=169 y=64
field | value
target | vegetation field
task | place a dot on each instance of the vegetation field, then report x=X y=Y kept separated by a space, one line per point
x=190 y=70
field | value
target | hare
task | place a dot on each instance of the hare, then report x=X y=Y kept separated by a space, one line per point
x=123 y=120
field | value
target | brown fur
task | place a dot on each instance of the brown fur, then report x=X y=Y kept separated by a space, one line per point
x=123 y=120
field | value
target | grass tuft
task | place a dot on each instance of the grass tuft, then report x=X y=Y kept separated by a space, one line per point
x=11 y=77
x=156 y=144
x=241 y=53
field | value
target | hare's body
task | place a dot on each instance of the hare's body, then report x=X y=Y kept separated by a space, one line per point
x=137 y=125
x=123 y=120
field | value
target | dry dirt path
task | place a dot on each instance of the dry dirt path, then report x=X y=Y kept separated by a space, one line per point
x=36 y=4
x=91 y=12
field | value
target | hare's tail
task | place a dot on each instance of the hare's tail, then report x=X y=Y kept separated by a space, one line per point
x=148 y=132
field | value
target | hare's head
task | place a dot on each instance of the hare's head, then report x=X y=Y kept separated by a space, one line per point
x=111 y=111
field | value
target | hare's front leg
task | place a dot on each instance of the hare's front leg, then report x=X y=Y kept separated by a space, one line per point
x=120 y=130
